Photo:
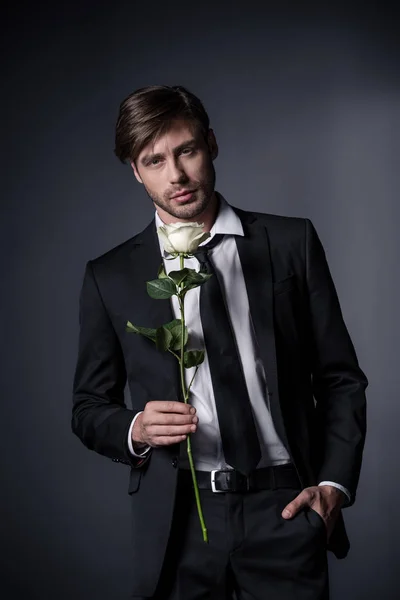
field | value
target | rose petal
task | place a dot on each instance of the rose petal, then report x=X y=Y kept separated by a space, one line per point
x=182 y=237
x=163 y=235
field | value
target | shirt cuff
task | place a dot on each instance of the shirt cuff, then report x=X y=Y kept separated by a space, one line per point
x=130 y=446
x=339 y=487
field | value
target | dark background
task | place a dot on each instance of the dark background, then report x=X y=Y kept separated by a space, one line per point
x=304 y=102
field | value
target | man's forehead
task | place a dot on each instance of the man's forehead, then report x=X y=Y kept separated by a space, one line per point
x=179 y=133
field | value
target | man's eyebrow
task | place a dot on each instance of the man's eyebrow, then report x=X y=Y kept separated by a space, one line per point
x=149 y=157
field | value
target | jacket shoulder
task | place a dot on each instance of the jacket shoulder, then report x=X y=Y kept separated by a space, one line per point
x=122 y=251
x=281 y=226
x=115 y=253
x=279 y=220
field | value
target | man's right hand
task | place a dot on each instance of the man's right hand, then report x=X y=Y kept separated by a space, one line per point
x=163 y=423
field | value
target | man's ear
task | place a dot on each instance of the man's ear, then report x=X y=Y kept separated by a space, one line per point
x=212 y=144
x=136 y=172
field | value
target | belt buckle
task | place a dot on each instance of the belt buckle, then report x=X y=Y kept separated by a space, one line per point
x=213 y=488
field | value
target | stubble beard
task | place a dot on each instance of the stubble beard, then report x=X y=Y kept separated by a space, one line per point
x=203 y=195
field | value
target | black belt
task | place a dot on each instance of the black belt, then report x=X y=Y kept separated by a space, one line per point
x=266 y=478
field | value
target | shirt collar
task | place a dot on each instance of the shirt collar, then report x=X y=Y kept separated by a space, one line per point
x=227 y=222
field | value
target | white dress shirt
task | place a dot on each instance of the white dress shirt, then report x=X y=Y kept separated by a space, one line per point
x=206 y=441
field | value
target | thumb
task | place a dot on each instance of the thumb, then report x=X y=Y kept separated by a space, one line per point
x=296 y=505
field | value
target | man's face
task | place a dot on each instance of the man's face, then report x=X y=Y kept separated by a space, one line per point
x=178 y=173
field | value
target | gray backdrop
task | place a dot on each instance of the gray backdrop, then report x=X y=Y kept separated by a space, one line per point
x=305 y=107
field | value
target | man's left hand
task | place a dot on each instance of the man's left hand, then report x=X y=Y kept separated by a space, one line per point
x=326 y=500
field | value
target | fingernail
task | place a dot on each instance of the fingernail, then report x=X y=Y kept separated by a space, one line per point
x=192 y=411
x=287 y=513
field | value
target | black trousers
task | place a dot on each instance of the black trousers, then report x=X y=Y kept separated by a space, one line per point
x=252 y=554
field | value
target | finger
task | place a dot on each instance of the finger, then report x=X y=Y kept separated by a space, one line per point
x=167 y=419
x=171 y=406
x=167 y=440
x=170 y=430
x=305 y=498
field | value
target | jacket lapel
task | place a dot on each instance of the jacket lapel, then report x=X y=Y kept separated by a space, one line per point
x=154 y=313
x=255 y=258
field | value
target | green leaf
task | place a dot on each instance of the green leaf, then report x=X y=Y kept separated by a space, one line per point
x=161 y=272
x=196 y=278
x=160 y=289
x=179 y=276
x=163 y=338
x=146 y=331
x=166 y=337
x=192 y=358
x=175 y=327
x=172 y=324
x=131 y=328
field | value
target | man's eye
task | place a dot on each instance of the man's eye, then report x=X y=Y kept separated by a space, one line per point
x=155 y=161
x=186 y=150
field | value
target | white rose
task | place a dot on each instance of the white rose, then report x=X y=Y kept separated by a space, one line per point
x=182 y=237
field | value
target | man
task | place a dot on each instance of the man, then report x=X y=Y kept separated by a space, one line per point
x=298 y=399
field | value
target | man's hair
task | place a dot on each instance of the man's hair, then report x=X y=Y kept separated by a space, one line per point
x=148 y=113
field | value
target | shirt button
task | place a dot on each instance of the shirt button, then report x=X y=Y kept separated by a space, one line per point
x=175 y=462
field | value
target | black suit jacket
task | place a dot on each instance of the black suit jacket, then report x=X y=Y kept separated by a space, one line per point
x=316 y=387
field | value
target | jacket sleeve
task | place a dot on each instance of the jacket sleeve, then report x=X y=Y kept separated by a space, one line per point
x=100 y=417
x=338 y=382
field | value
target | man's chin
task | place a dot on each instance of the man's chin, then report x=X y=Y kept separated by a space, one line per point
x=186 y=210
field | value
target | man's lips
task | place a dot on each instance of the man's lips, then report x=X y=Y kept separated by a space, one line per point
x=183 y=195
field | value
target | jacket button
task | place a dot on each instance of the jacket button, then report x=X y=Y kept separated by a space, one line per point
x=175 y=462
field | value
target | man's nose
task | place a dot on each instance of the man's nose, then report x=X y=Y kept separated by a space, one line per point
x=176 y=173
